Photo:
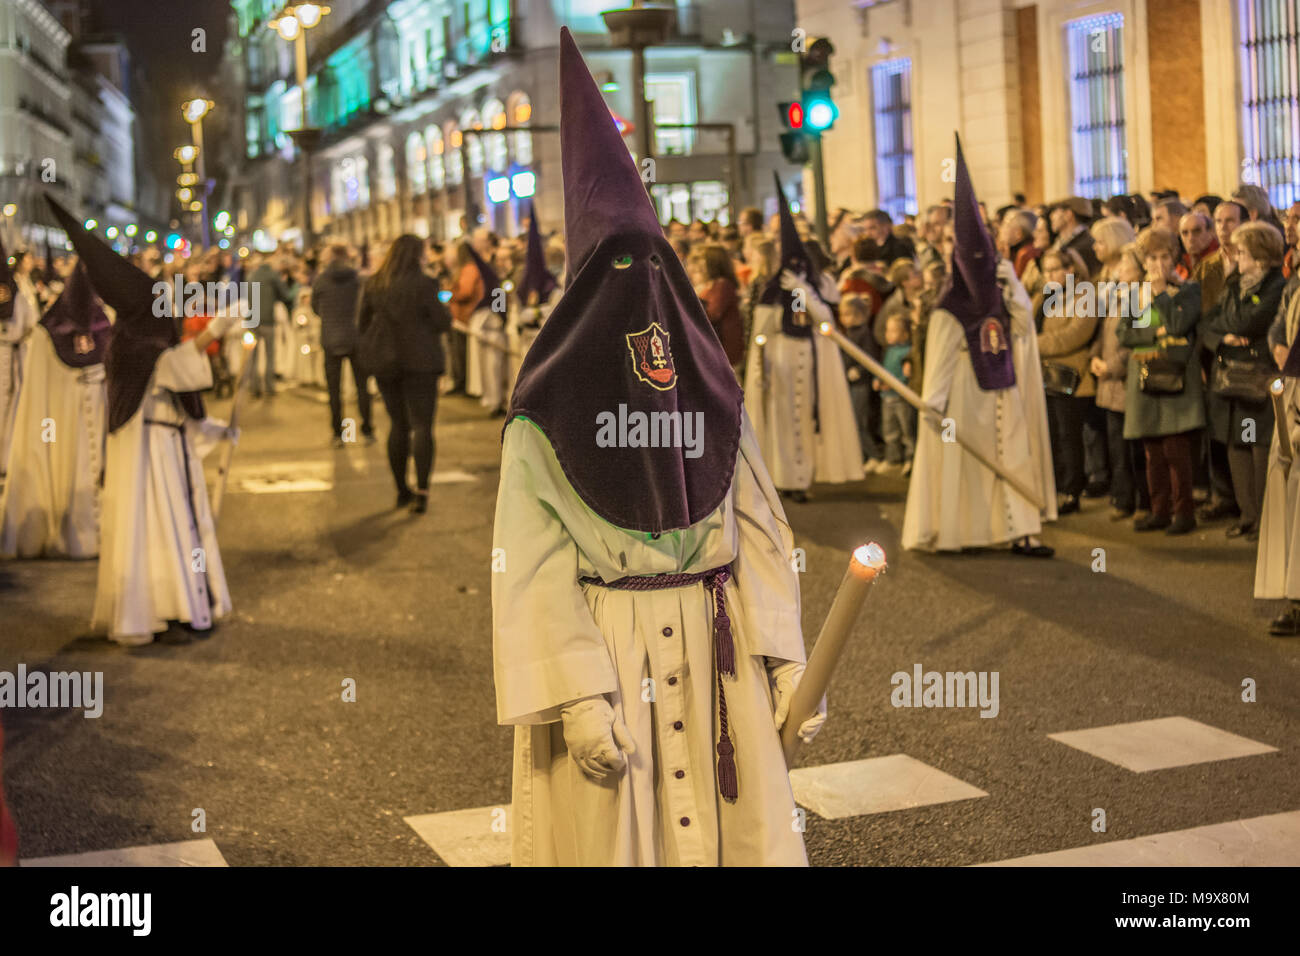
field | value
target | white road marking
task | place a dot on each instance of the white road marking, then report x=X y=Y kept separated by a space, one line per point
x=1157 y=744
x=878 y=785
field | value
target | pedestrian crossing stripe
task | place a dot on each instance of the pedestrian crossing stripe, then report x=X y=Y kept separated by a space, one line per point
x=1272 y=840
x=1146 y=745
x=475 y=837
x=876 y=785
x=185 y=853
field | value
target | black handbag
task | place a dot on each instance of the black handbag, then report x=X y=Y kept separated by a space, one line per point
x=1161 y=375
x=1060 y=379
x=1242 y=380
x=377 y=346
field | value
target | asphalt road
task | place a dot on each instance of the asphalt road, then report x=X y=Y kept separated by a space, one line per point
x=329 y=585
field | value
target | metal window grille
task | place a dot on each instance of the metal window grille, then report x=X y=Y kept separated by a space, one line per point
x=891 y=83
x=1270 y=94
x=1096 y=58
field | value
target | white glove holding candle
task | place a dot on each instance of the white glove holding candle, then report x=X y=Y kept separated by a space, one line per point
x=785 y=677
x=594 y=735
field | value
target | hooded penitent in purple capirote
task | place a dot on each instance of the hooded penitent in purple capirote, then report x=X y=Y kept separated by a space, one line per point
x=973 y=294
x=628 y=331
x=77 y=324
x=140 y=335
x=536 y=278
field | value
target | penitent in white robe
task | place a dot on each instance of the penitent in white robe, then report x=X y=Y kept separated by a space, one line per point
x=159 y=559
x=954 y=501
x=13 y=353
x=1276 y=574
x=50 y=505
x=556 y=640
x=488 y=329
x=779 y=401
x=520 y=337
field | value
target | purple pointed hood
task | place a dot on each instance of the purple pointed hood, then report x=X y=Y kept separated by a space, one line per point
x=8 y=287
x=491 y=281
x=628 y=353
x=139 y=336
x=537 y=278
x=77 y=323
x=973 y=294
x=795 y=257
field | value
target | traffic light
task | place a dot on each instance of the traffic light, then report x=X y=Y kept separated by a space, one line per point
x=793 y=144
x=819 y=110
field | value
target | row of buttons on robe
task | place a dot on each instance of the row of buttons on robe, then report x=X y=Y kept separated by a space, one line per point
x=677 y=725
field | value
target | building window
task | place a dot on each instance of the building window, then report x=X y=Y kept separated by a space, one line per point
x=416 y=163
x=891 y=85
x=521 y=112
x=455 y=157
x=1096 y=58
x=436 y=174
x=473 y=142
x=674 y=104
x=705 y=200
x=1270 y=93
x=494 y=143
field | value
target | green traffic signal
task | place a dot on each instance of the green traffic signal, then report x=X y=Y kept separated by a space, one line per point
x=819 y=110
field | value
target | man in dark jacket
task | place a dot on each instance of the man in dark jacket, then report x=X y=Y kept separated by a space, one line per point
x=334 y=297
x=272 y=288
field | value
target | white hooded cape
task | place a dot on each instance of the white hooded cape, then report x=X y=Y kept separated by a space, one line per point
x=954 y=501
x=51 y=500
x=779 y=402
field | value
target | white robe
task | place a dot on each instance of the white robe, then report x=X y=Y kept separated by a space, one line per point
x=1276 y=575
x=556 y=640
x=50 y=505
x=779 y=401
x=13 y=353
x=520 y=337
x=153 y=547
x=954 y=501
x=488 y=328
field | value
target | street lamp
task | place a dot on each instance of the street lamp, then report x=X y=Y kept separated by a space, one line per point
x=292 y=25
x=194 y=110
x=637 y=27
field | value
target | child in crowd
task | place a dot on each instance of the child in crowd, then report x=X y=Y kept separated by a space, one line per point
x=898 y=419
x=855 y=315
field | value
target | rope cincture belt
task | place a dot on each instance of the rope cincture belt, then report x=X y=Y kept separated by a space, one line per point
x=724 y=649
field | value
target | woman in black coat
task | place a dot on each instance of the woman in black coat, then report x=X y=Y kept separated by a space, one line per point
x=1238 y=330
x=401 y=322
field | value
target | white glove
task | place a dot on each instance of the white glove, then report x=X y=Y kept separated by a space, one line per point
x=785 y=677
x=594 y=735
x=222 y=324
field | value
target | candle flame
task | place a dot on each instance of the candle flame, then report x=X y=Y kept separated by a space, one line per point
x=760 y=340
x=249 y=340
x=871 y=556
x=824 y=328
x=1276 y=386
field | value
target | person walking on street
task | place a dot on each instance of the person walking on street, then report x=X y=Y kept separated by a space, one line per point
x=272 y=288
x=334 y=297
x=400 y=322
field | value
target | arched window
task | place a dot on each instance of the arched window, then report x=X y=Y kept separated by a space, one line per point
x=473 y=144
x=520 y=113
x=437 y=171
x=494 y=144
x=455 y=160
x=416 y=163
x=387 y=172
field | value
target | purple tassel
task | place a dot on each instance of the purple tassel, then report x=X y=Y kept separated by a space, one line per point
x=722 y=626
x=726 y=770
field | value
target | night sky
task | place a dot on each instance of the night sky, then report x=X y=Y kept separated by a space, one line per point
x=157 y=33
